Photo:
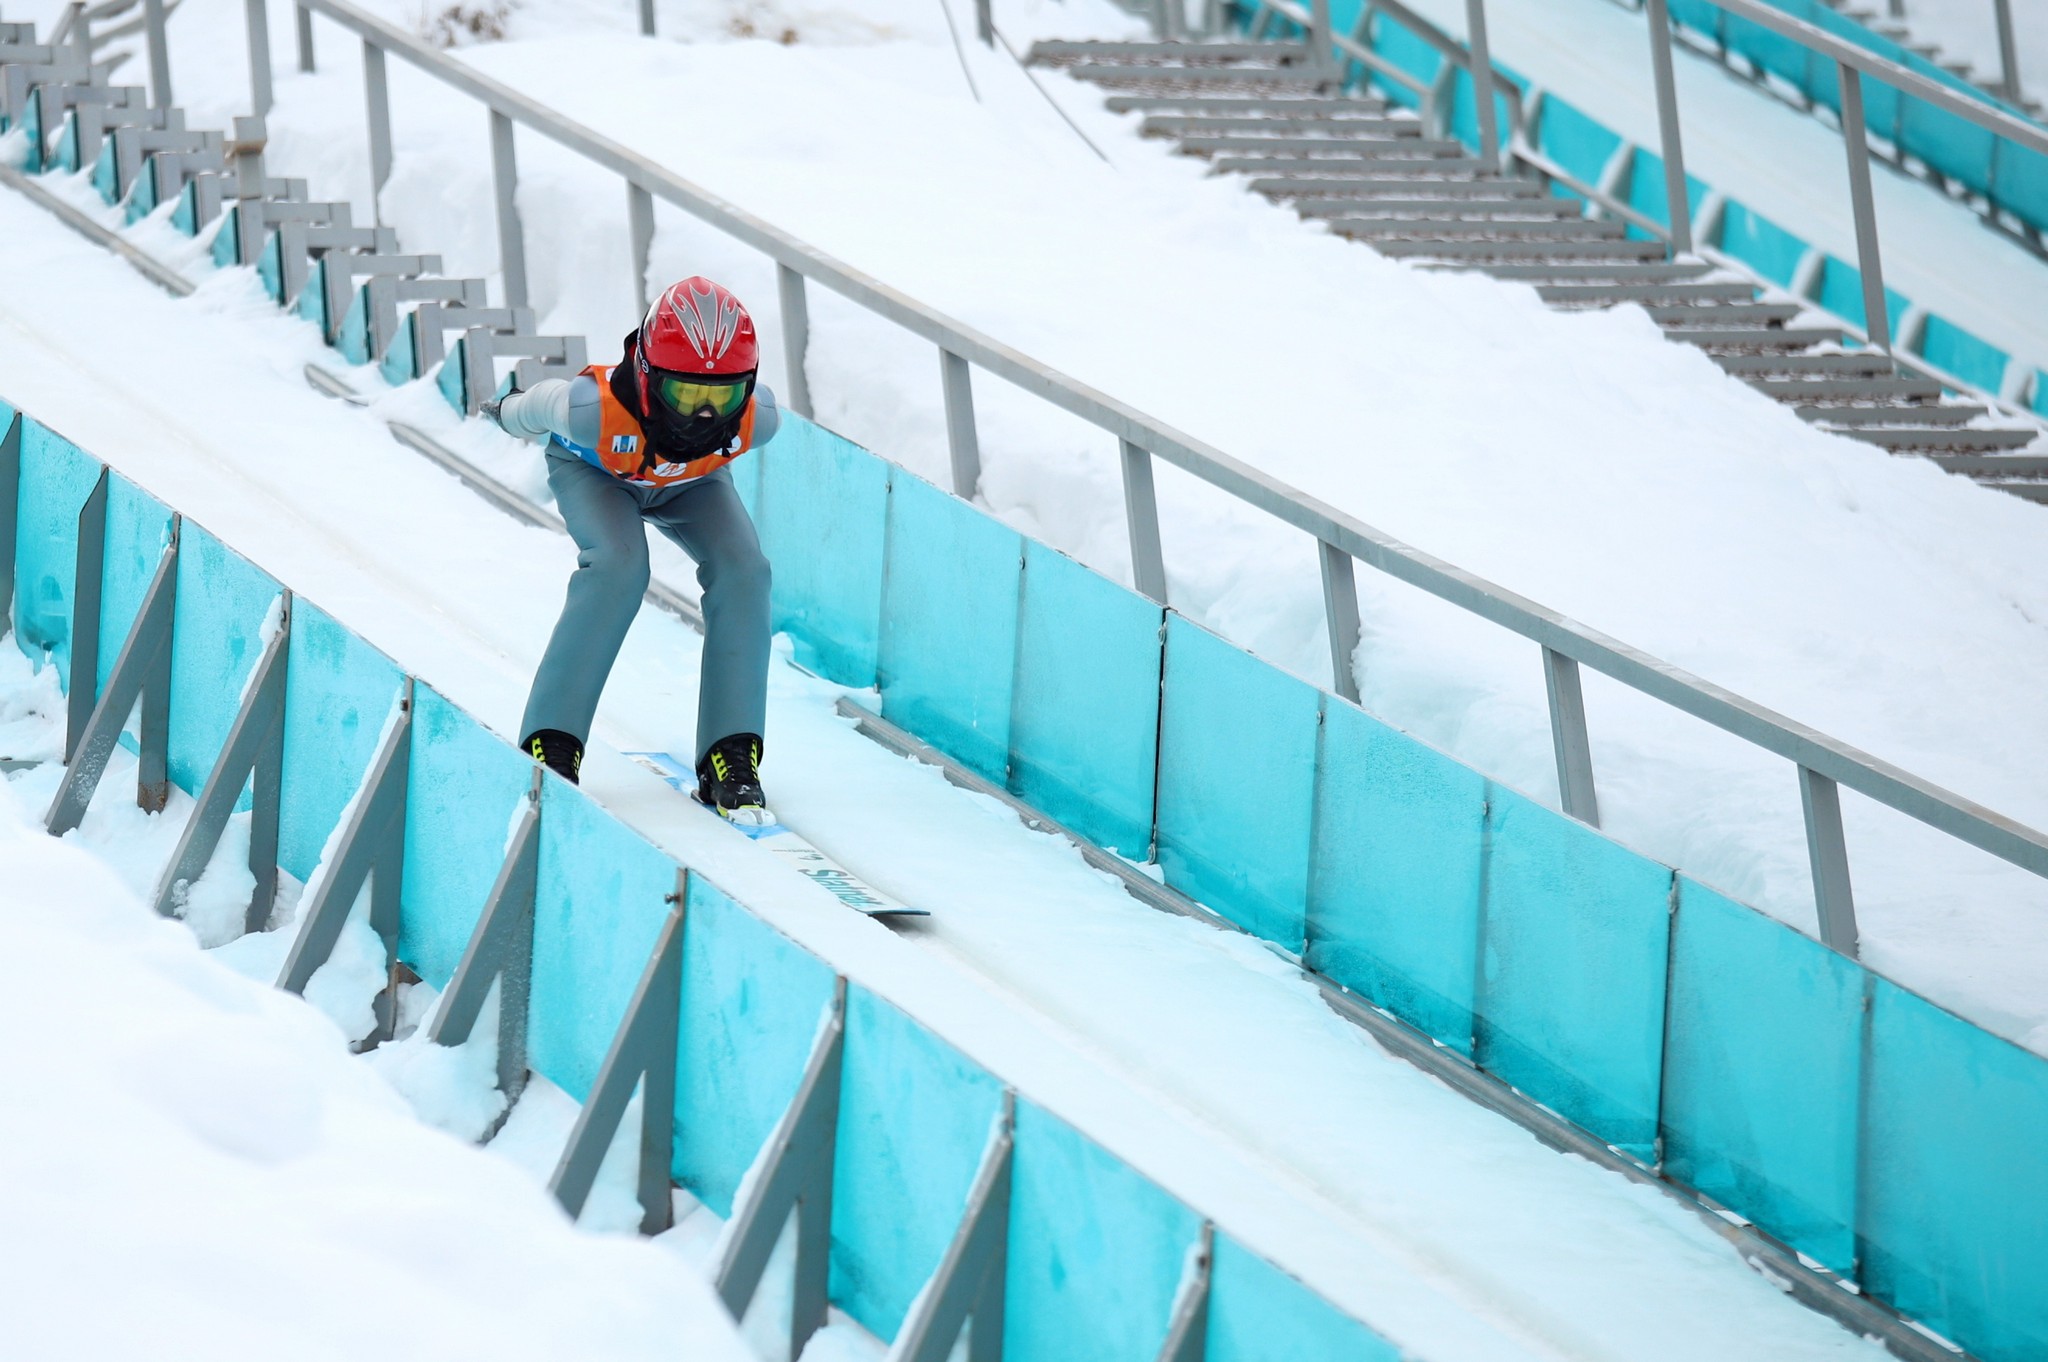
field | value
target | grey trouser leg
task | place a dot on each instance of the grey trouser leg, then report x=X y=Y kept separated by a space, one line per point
x=708 y=521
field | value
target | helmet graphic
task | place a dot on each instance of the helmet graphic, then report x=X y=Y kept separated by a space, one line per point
x=693 y=359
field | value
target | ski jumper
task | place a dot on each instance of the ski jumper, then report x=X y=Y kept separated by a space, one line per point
x=605 y=487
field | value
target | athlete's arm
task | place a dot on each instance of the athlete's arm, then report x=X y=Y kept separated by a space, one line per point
x=563 y=407
x=767 y=416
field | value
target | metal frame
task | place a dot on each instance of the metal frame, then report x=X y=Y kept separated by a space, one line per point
x=643 y=1056
x=140 y=681
x=252 y=754
x=500 y=952
x=10 y=517
x=1187 y=1328
x=371 y=848
x=969 y=1282
x=792 y=1175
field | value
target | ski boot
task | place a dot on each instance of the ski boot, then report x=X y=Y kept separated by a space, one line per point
x=560 y=752
x=729 y=781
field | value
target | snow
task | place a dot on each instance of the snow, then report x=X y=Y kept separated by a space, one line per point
x=1195 y=1056
x=216 y=1177
x=1967 y=30
x=1576 y=459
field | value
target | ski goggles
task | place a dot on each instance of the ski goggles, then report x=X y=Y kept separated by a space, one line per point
x=688 y=396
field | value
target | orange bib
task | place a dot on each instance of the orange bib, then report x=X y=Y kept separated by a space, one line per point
x=622 y=444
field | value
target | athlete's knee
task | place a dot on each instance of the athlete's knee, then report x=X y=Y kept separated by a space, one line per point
x=741 y=575
x=616 y=567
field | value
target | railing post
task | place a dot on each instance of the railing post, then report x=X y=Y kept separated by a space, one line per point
x=647 y=18
x=1569 y=737
x=1481 y=71
x=1141 y=519
x=1166 y=20
x=1187 y=1328
x=377 y=105
x=1340 y=610
x=796 y=338
x=961 y=442
x=984 y=23
x=82 y=678
x=2008 y=51
x=1855 y=139
x=1677 y=198
x=640 y=223
x=159 y=53
x=304 y=18
x=1827 y=852
x=257 y=13
x=511 y=239
x=10 y=516
x=1323 y=51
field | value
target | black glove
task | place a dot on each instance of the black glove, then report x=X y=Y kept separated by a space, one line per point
x=490 y=408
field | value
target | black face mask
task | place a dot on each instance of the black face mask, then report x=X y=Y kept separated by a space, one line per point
x=671 y=436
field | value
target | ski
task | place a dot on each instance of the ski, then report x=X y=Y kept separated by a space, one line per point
x=791 y=846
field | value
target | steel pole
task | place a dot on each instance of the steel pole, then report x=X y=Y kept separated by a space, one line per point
x=1677 y=198
x=258 y=15
x=2008 y=51
x=305 y=22
x=647 y=18
x=377 y=110
x=159 y=53
x=1855 y=138
x=1480 y=68
x=640 y=220
x=505 y=184
x=796 y=338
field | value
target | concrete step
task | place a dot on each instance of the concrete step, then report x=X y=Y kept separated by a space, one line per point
x=1993 y=467
x=1163 y=79
x=1799 y=391
x=1334 y=169
x=1394 y=187
x=1447 y=210
x=1940 y=439
x=1751 y=339
x=1720 y=315
x=1059 y=53
x=1525 y=250
x=1567 y=272
x=1324 y=148
x=1400 y=229
x=1668 y=291
x=1937 y=414
x=1370 y=125
x=1274 y=105
x=1857 y=364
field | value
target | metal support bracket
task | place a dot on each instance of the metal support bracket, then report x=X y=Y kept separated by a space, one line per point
x=640 y=222
x=643 y=1055
x=500 y=951
x=505 y=188
x=961 y=441
x=792 y=1175
x=1187 y=1328
x=969 y=1281
x=10 y=517
x=86 y=580
x=141 y=673
x=1340 y=612
x=1141 y=521
x=796 y=338
x=372 y=848
x=254 y=754
x=1827 y=851
x=1568 y=735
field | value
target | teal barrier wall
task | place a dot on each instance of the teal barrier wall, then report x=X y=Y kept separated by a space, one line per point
x=1095 y=1252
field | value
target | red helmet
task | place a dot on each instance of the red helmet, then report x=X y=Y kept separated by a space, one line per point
x=698 y=327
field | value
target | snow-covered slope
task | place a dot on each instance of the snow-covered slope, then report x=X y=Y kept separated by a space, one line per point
x=1577 y=459
x=1197 y=1057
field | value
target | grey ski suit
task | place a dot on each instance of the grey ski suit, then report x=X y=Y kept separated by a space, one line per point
x=604 y=514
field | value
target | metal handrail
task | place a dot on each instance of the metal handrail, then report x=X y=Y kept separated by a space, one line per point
x=1822 y=761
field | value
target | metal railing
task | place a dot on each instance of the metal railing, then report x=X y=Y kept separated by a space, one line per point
x=1822 y=763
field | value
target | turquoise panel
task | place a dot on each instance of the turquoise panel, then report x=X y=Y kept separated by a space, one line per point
x=1955 y=146
x=600 y=907
x=1761 y=1066
x=1974 y=361
x=915 y=1117
x=1408 y=52
x=1701 y=16
x=397 y=365
x=105 y=178
x=448 y=382
x=56 y=478
x=1841 y=292
x=1646 y=191
x=1572 y=961
x=1464 y=120
x=752 y=1003
x=1096 y=1251
x=138 y=529
x=142 y=195
x=185 y=217
x=948 y=657
x=2022 y=182
x=1237 y=752
x=463 y=792
x=1760 y=243
x=823 y=510
x=1257 y=1313
x=339 y=692
x=1955 y=1221
x=312 y=300
x=1575 y=141
x=222 y=601
x=67 y=157
x=2040 y=385
x=270 y=267
x=224 y=239
x=1397 y=873
x=353 y=341
x=1084 y=736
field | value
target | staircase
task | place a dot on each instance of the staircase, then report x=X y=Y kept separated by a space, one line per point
x=1368 y=171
